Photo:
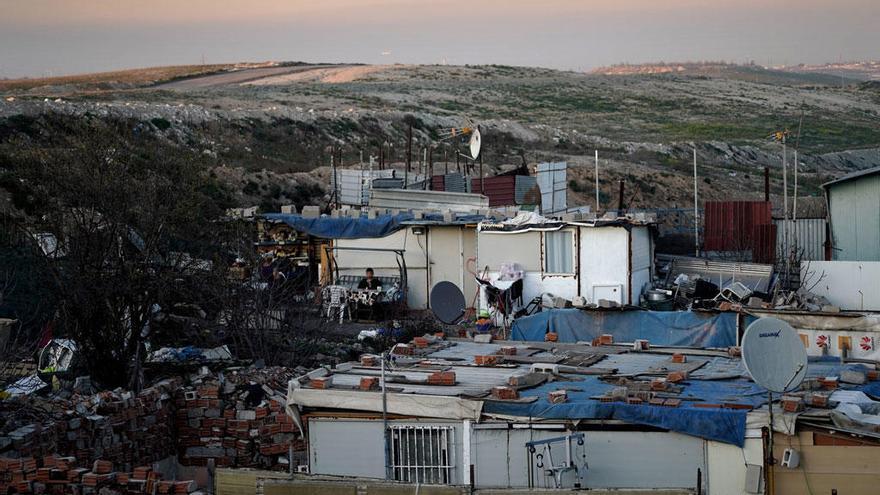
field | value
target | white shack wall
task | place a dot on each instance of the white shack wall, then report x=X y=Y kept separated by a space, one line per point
x=616 y=459
x=524 y=248
x=356 y=447
x=642 y=261
x=355 y=262
x=727 y=465
x=446 y=249
x=604 y=264
x=850 y=285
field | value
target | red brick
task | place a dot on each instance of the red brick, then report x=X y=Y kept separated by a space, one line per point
x=606 y=339
x=369 y=360
x=658 y=385
x=507 y=350
x=442 y=378
x=505 y=393
x=420 y=342
x=369 y=383
x=633 y=400
x=323 y=382
x=402 y=350
x=873 y=375
x=679 y=358
x=551 y=337
x=489 y=360
x=792 y=404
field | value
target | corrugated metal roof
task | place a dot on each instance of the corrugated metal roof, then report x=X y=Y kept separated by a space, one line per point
x=853 y=175
x=430 y=200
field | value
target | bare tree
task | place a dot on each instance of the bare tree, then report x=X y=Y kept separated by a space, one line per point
x=120 y=208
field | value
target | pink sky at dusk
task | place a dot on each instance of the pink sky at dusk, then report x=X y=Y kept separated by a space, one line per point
x=42 y=37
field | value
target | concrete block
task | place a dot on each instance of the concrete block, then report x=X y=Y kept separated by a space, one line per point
x=288 y=209
x=311 y=211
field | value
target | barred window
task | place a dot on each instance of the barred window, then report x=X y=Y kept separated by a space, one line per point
x=422 y=454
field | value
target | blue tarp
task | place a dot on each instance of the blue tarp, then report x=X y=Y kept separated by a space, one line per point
x=360 y=227
x=668 y=328
x=723 y=425
x=343 y=227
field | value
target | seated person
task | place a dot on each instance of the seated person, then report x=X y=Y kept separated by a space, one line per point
x=369 y=282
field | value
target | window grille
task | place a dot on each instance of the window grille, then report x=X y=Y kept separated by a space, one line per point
x=422 y=454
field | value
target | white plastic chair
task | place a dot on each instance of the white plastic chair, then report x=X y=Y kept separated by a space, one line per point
x=336 y=299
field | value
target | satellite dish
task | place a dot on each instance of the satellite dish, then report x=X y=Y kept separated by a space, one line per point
x=447 y=302
x=475 y=143
x=774 y=355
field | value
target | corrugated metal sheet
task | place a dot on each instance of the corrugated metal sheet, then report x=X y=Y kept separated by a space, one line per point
x=806 y=236
x=854 y=205
x=353 y=186
x=396 y=183
x=456 y=183
x=527 y=191
x=404 y=199
x=437 y=183
x=552 y=179
x=500 y=189
x=723 y=273
x=740 y=226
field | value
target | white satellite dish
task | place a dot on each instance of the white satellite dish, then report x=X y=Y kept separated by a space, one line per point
x=475 y=143
x=774 y=355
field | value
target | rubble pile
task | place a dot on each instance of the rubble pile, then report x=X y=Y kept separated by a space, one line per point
x=116 y=426
x=231 y=418
x=237 y=419
x=64 y=475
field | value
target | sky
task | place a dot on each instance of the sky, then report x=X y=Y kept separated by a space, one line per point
x=58 y=37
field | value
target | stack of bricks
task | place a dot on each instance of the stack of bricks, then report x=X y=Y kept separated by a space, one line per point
x=121 y=427
x=226 y=427
x=129 y=429
x=64 y=475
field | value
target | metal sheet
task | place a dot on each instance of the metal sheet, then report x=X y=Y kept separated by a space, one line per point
x=552 y=179
x=740 y=226
x=806 y=236
x=527 y=191
x=499 y=189
x=427 y=200
x=722 y=273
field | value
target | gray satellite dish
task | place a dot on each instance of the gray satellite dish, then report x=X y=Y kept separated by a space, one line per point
x=774 y=355
x=447 y=302
x=475 y=143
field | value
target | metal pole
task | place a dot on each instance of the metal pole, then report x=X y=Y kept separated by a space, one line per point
x=385 y=422
x=335 y=180
x=425 y=166
x=597 y=182
x=785 y=207
x=696 y=210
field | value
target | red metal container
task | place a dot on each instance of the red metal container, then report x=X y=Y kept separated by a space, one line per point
x=740 y=226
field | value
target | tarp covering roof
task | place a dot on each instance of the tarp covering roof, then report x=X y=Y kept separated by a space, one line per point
x=363 y=227
x=667 y=328
x=715 y=399
x=722 y=424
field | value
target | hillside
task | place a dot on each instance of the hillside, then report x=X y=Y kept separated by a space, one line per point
x=268 y=130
